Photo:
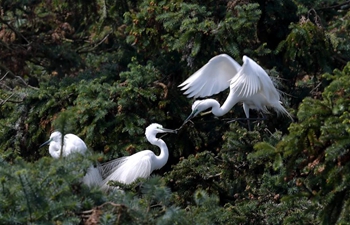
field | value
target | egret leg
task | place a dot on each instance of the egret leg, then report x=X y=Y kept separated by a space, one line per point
x=248 y=120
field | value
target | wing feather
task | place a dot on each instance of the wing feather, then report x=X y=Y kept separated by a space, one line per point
x=212 y=78
x=128 y=169
x=251 y=79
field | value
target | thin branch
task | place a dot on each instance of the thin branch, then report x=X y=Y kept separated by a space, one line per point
x=17 y=77
x=313 y=91
x=335 y=6
x=94 y=44
x=14 y=30
x=4 y=101
x=112 y=204
x=2 y=78
x=213 y=176
x=4 y=85
x=165 y=88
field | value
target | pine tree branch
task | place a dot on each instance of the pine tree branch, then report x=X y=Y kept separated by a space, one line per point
x=335 y=6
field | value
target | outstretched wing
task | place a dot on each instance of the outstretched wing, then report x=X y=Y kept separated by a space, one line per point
x=212 y=78
x=251 y=79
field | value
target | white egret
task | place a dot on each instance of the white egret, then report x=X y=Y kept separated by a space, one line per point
x=139 y=165
x=72 y=144
x=249 y=84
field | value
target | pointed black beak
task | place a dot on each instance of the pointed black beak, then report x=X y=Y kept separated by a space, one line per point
x=189 y=118
x=186 y=120
x=45 y=143
x=169 y=130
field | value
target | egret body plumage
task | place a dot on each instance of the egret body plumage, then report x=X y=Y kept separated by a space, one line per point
x=141 y=164
x=248 y=83
x=72 y=144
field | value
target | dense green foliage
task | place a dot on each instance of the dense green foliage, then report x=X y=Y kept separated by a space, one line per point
x=105 y=70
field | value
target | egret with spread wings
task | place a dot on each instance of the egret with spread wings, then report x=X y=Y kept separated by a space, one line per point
x=248 y=83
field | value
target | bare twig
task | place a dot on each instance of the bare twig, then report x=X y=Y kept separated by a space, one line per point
x=2 y=102
x=14 y=30
x=94 y=44
x=8 y=72
x=7 y=87
x=335 y=6
x=3 y=77
x=213 y=176
x=165 y=88
x=112 y=204
x=313 y=91
x=92 y=216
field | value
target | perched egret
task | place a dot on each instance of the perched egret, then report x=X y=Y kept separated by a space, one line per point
x=249 y=84
x=141 y=164
x=72 y=144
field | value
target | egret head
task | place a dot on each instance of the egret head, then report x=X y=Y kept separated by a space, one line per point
x=155 y=128
x=198 y=107
x=55 y=136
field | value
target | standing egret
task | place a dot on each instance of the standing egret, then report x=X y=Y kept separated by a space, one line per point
x=72 y=144
x=141 y=164
x=249 y=84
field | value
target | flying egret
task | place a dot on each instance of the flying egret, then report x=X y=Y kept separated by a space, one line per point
x=248 y=83
x=72 y=144
x=139 y=165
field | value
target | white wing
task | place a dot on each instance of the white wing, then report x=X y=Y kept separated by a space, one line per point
x=212 y=78
x=128 y=169
x=252 y=79
x=109 y=167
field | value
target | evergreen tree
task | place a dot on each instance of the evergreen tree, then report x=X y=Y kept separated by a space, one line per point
x=104 y=70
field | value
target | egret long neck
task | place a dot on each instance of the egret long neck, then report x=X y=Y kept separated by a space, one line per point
x=228 y=104
x=55 y=150
x=162 y=158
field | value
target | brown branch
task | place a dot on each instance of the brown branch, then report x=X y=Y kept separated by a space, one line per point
x=93 y=45
x=14 y=29
x=92 y=216
x=165 y=88
x=16 y=77
x=213 y=176
x=4 y=101
x=335 y=6
x=112 y=204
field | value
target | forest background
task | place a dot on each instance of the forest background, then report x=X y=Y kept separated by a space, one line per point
x=104 y=70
